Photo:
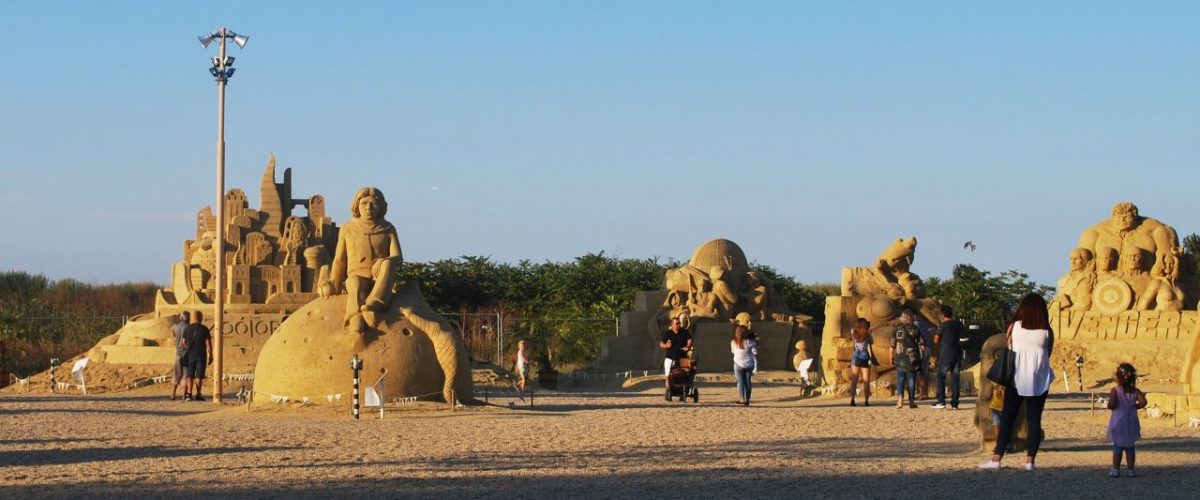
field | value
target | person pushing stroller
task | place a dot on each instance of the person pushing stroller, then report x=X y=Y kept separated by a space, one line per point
x=677 y=342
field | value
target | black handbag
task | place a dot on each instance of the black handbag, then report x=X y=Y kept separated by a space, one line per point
x=1004 y=367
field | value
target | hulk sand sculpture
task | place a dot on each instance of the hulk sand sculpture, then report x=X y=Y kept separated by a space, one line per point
x=1129 y=297
x=714 y=290
x=399 y=337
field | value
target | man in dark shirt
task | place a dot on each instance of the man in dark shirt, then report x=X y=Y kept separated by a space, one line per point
x=198 y=342
x=951 y=335
x=677 y=342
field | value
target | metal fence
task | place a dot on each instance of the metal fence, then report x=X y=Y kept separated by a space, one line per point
x=481 y=332
x=566 y=342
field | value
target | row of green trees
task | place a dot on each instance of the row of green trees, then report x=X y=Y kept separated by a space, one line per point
x=558 y=306
x=41 y=319
x=562 y=308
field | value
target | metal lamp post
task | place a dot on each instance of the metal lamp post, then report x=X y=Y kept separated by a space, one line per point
x=221 y=70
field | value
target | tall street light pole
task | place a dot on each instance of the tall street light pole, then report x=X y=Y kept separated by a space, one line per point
x=221 y=70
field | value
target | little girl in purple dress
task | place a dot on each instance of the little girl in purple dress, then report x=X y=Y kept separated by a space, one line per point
x=1123 y=427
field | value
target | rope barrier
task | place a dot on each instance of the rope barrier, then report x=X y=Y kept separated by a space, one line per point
x=331 y=398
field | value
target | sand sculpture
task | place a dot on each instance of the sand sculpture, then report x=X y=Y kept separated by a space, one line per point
x=277 y=257
x=364 y=266
x=714 y=290
x=992 y=348
x=877 y=293
x=397 y=334
x=1128 y=297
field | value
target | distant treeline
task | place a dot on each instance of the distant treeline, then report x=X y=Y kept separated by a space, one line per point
x=550 y=302
x=42 y=319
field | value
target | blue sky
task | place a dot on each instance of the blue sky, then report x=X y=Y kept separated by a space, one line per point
x=811 y=133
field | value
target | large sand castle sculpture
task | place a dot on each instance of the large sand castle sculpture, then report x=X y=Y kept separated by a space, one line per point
x=1128 y=297
x=277 y=258
x=877 y=293
x=398 y=335
x=715 y=289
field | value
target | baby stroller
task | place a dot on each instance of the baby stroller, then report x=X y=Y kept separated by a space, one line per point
x=681 y=381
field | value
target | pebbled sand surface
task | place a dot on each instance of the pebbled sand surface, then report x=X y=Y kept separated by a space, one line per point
x=619 y=444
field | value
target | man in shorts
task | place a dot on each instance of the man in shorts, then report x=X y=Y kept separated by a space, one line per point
x=677 y=341
x=198 y=341
x=180 y=352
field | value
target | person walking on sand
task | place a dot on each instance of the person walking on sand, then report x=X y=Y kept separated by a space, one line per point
x=1031 y=340
x=198 y=342
x=745 y=358
x=522 y=365
x=907 y=345
x=861 y=358
x=178 y=376
x=1124 y=429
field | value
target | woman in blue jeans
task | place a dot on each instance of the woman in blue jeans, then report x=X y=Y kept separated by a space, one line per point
x=745 y=352
x=907 y=348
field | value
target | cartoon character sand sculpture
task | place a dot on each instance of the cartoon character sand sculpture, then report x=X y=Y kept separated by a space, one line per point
x=396 y=333
x=714 y=290
x=878 y=293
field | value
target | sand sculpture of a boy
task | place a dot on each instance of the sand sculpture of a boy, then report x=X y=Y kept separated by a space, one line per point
x=366 y=259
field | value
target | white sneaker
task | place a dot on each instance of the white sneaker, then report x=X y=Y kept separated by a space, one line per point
x=990 y=465
x=938 y=406
x=1028 y=466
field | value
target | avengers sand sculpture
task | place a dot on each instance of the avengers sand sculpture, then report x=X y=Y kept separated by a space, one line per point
x=1129 y=297
x=713 y=291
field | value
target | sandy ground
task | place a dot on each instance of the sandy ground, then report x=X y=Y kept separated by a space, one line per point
x=615 y=444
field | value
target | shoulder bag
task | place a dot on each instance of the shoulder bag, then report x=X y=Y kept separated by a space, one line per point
x=1004 y=367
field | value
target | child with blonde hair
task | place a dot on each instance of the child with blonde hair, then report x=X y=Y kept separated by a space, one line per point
x=522 y=365
x=1123 y=426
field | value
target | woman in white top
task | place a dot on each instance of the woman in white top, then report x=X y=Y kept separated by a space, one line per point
x=1031 y=341
x=745 y=352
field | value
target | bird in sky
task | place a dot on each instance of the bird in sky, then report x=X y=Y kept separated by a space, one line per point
x=970 y=245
